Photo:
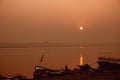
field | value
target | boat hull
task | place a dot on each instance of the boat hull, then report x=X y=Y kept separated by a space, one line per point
x=109 y=66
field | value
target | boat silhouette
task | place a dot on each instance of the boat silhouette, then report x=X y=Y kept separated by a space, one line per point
x=109 y=64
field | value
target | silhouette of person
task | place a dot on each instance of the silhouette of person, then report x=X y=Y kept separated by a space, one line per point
x=66 y=67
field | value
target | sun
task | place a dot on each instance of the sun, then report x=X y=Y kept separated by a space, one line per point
x=81 y=28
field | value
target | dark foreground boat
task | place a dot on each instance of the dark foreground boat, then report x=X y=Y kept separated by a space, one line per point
x=45 y=72
x=109 y=64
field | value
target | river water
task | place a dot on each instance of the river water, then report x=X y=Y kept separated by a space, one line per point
x=22 y=60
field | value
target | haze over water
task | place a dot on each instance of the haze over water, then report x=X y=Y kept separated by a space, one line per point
x=57 y=21
x=22 y=60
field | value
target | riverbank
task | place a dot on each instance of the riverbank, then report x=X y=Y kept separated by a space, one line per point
x=86 y=76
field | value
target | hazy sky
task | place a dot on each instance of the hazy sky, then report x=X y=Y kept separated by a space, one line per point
x=57 y=21
x=35 y=21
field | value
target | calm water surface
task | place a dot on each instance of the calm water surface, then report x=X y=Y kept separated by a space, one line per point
x=22 y=60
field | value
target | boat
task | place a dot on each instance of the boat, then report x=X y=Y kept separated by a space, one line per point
x=45 y=72
x=109 y=63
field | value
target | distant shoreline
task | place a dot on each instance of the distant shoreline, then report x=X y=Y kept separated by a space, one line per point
x=46 y=44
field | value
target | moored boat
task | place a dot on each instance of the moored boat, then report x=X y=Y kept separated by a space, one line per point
x=109 y=64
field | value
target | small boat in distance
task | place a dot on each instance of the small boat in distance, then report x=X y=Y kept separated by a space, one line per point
x=109 y=64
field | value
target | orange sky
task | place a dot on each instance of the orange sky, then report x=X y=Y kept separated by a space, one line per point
x=56 y=21
x=59 y=21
